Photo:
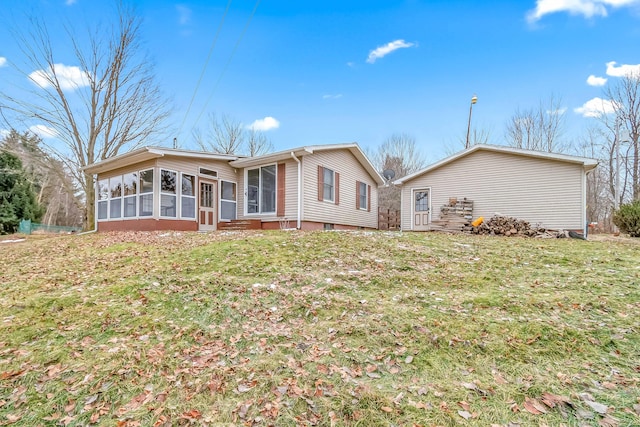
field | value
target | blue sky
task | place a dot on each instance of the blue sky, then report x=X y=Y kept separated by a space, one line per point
x=336 y=71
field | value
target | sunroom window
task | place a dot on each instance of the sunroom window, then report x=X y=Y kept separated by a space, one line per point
x=146 y=193
x=227 y=200
x=168 y=202
x=188 y=196
x=129 y=187
x=115 y=202
x=103 y=199
x=208 y=172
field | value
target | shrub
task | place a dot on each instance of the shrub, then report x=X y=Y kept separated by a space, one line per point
x=627 y=218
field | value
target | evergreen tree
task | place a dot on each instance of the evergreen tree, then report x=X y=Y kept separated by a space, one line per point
x=54 y=185
x=17 y=196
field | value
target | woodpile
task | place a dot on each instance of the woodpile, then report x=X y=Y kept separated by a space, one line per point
x=507 y=226
x=454 y=216
x=500 y=225
x=457 y=216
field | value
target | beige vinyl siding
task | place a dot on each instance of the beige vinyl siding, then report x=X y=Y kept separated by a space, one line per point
x=192 y=167
x=541 y=191
x=350 y=170
x=291 y=193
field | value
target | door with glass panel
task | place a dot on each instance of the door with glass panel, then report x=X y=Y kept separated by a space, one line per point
x=421 y=209
x=207 y=215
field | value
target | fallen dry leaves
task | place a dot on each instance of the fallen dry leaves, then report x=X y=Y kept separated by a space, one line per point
x=257 y=328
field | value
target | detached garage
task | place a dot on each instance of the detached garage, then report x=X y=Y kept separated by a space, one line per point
x=543 y=188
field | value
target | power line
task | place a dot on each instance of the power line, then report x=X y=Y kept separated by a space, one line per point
x=204 y=68
x=244 y=30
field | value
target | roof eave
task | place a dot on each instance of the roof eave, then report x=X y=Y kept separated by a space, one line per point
x=149 y=153
x=587 y=163
x=132 y=157
x=310 y=149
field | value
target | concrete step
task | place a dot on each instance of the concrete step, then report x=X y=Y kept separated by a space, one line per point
x=241 y=224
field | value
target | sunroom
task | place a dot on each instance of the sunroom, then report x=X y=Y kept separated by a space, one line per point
x=159 y=188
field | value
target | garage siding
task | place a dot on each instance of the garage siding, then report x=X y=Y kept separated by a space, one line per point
x=541 y=191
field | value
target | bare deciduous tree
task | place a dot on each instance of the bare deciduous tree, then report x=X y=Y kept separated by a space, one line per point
x=625 y=98
x=476 y=136
x=257 y=143
x=57 y=191
x=111 y=104
x=594 y=144
x=538 y=129
x=226 y=135
x=223 y=136
x=399 y=153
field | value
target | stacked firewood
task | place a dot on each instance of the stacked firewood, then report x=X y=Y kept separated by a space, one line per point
x=500 y=225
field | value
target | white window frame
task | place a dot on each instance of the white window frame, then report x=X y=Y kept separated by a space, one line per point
x=221 y=200
x=134 y=196
x=213 y=175
x=175 y=194
x=112 y=199
x=102 y=197
x=332 y=185
x=260 y=187
x=106 y=197
x=193 y=197
x=364 y=207
x=146 y=193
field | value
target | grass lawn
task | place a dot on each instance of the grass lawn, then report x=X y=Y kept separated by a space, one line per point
x=321 y=328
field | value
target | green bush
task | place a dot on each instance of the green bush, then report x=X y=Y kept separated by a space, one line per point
x=627 y=218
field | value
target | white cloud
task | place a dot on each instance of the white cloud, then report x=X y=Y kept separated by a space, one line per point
x=4 y=133
x=329 y=96
x=586 y=8
x=558 y=112
x=596 y=81
x=70 y=2
x=622 y=70
x=3 y=61
x=382 y=51
x=265 y=124
x=596 y=107
x=351 y=64
x=43 y=131
x=69 y=77
x=184 y=14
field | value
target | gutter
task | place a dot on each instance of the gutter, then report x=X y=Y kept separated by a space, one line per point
x=293 y=155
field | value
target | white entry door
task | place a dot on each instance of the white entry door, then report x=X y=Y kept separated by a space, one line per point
x=208 y=216
x=421 y=209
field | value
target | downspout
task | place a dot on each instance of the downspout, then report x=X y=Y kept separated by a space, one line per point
x=299 y=188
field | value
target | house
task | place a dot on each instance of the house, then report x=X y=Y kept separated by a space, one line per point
x=312 y=187
x=542 y=188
